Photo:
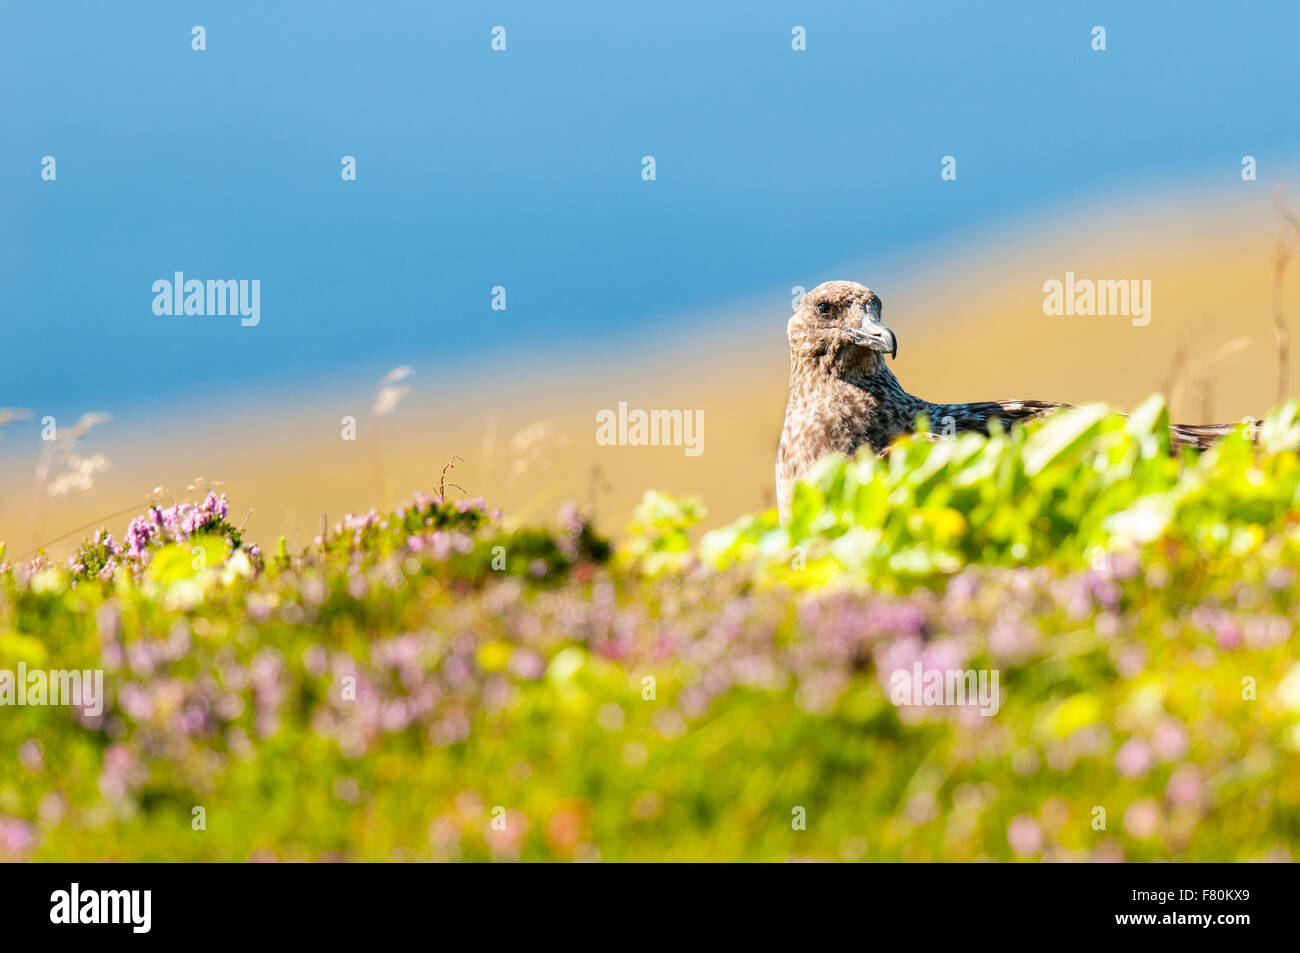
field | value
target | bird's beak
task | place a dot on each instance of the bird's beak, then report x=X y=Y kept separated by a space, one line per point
x=876 y=336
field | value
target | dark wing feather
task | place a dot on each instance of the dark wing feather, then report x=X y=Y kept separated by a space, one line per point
x=977 y=417
x=1200 y=436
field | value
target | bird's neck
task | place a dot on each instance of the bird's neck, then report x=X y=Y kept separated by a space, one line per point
x=881 y=380
x=851 y=398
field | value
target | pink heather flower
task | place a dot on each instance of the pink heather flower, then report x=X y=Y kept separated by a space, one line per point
x=527 y=664
x=193 y=720
x=1219 y=623
x=120 y=772
x=444 y=833
x=963 y=587
x=1185 y=788
x=359 y=524
x=357 y=585
x=135 y=702
x=1024 y=835
x=1097 y=588
x=1134 y=758
x=1109 y=851
x=16 y=838
x=31 y=756
x=1228 y=632
x=395 y=715
x=452 y=728
x=1011 y=638
x=1123 y=565
x=104 y=538
x=1169 y=739
x=1142 y=818
x=140 y=531
x=193 y=521
x=1266 y=631
x=216 y=506
x=439 y=544
x=1132 y=660
x=1281 y=577
x=922 y=808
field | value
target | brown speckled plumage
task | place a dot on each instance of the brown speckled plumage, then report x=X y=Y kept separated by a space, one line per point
x=843 y=396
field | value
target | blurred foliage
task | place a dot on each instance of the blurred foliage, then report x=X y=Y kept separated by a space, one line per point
x=659 y=534
x=434 y=684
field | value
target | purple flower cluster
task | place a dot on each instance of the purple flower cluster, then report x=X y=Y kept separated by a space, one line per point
x=101 y=556
x=140 y=531
x=176 y=523
x=441 y=544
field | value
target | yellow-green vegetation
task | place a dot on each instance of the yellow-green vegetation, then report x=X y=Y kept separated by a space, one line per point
x=435 y=683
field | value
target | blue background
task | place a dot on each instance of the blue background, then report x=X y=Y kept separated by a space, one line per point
x=523 y=168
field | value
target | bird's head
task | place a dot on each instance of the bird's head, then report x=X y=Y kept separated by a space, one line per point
x=841 y=320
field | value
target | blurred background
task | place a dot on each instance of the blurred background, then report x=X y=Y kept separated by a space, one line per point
x=522 y=169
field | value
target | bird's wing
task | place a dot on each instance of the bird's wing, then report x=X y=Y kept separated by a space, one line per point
x=976 y=416
x=1195 y=436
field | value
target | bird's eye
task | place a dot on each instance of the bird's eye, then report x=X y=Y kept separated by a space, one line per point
x=823 y=308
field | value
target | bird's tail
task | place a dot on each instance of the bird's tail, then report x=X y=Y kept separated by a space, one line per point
x=1200 y=436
